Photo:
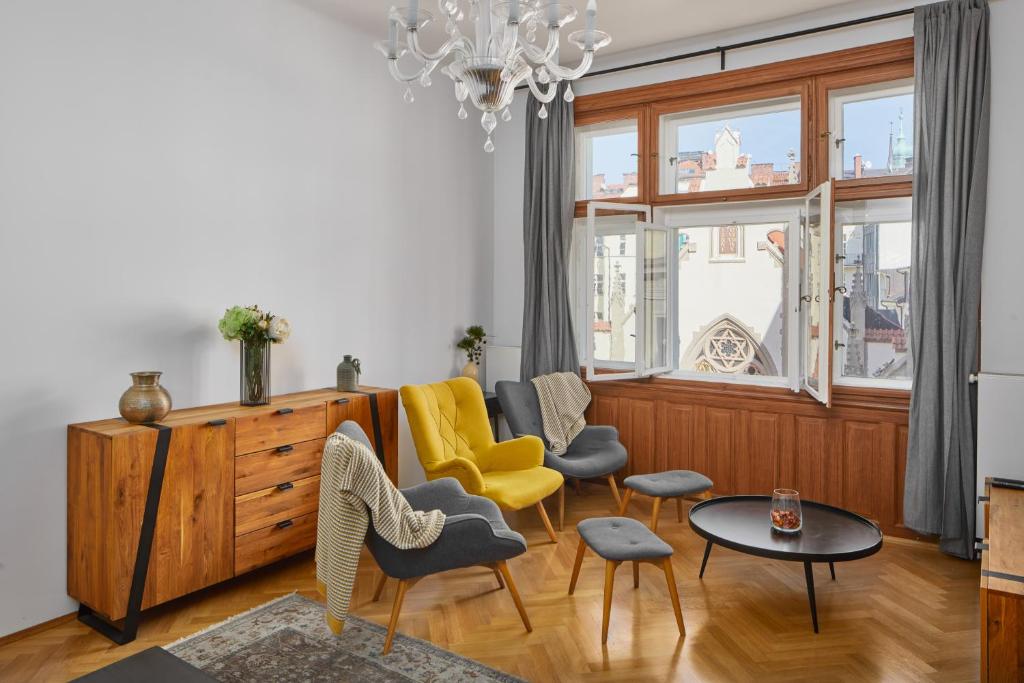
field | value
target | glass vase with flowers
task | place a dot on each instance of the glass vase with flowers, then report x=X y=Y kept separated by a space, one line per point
x=255 y=330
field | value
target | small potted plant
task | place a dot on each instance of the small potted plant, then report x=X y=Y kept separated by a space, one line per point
x=256 y=330
x=472 y=344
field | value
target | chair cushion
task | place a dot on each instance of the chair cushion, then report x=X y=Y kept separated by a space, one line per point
x=595 y=452
x=517 y=489
x=622 y=538
x=669 y=484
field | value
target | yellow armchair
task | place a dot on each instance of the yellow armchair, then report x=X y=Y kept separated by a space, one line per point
x=453 y=438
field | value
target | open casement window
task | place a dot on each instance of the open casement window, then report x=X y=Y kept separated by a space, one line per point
x=628 y=315
x=816 y=292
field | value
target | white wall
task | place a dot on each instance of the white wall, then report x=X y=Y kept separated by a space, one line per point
x=162 y=160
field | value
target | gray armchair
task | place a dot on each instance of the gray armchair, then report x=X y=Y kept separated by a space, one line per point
x=595 y=452
x=474 y=534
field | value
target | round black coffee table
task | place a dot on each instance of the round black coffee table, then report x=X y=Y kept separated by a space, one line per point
x=743 y=523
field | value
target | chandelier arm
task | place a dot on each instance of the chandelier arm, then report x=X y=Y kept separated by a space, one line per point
x=459 y=43
x=397 y=74
x=542 y=97
x=537 y=56
x=566 y=74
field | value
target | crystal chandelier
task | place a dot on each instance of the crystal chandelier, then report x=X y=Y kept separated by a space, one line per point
x=488 y=69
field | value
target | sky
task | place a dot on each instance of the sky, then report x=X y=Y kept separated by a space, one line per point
x=866 y=126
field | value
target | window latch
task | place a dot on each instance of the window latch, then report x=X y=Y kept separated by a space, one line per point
x=672 y=161
x=826 y=134
x=839 y=141
x=840 y=257
x=838 y=345
x=840 y=289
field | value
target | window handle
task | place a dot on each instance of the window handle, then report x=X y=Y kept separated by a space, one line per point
x=839 y=142
x=838 y=345
x=841 y=289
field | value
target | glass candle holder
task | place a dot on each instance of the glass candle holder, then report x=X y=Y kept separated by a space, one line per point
x=786 y=515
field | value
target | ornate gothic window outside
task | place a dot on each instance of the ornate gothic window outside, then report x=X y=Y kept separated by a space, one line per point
x=726 y=346
x=727 y=243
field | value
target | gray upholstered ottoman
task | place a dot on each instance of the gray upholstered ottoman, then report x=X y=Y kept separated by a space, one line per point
x=618 y=540
x=676 y=484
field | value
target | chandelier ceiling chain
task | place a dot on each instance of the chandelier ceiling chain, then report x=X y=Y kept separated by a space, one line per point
x=488 y=68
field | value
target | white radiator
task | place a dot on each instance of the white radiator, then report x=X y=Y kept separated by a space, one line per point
x=1000 y=429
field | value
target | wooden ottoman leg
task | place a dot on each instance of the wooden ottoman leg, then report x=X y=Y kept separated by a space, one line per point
x=615 y=491
x=625 y=502
x=576 y=567
x=609 y=585
x=673 y=594
x=636 y=573
x=654 y=514
x=679 y=509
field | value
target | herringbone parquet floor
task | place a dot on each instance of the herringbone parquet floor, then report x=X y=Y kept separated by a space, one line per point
x=908 y=613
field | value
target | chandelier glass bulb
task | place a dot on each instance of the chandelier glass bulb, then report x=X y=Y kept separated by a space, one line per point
x=507 y=50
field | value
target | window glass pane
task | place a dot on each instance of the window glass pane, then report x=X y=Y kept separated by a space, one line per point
x=614 y=292
x=731 y=148
x=732 y=312
x=606 y=160
x=874 y=131
x=656 y=262
x=813 y=274
x=875 y=243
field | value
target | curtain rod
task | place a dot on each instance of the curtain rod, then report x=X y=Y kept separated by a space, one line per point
x=722 y=49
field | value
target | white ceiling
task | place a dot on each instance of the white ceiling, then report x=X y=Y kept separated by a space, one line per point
x=632 y=23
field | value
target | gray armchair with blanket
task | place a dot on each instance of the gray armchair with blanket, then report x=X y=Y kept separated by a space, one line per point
x=596 y=452
x=475 y=534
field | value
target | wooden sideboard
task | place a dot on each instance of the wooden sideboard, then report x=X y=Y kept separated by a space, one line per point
x=1002 y=583
x=751 y=440
x=240 y=490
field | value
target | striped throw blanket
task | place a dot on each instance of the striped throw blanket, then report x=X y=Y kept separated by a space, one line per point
x=563 y=398
x=354 y=488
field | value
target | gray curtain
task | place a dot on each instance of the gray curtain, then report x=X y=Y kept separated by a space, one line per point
x=548 y=340
x=951 y=118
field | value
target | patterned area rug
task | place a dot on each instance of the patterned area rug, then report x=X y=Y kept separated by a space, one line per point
x=288 y=640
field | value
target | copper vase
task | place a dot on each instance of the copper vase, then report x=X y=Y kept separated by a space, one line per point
x=145 y=400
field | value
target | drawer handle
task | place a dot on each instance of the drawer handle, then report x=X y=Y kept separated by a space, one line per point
x=285 y=486
x=342 y=401
x=285 y=524
x=284 y=411
x=217 y=423
x=285 y=449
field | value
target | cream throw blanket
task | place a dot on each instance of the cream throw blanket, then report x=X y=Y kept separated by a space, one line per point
x=353 y=486
x=563 y=398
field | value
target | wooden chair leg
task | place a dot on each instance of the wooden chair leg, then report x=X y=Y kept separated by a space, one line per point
x=578 y=486
x=654 y=514
x=396 y=609
x=636 y=574
x=576 y=567
x=379 y=590
x=497 y=575
x=503 y=568
x=547 y=522
x=561 y=507
x=615 y=491
x=673 y=594
x=609 y=585
x=679 y=509
x=625 y=502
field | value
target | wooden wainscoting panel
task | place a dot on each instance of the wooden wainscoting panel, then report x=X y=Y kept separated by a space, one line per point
x=811 y=458
x=679 y=432
x=721 y=453
x=639 y=438
x=902 y=440
x=758 y=471
x=869 y=471
x=605 y=411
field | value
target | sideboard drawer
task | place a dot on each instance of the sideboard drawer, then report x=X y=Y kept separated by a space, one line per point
x=287 y=537
x=266 y=507
x=290 y=462
x=279 y=426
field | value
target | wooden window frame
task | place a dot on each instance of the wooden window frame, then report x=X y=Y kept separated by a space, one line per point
x=864 y=188
x=639 y=113
x=752 y=95
x=812 y=78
